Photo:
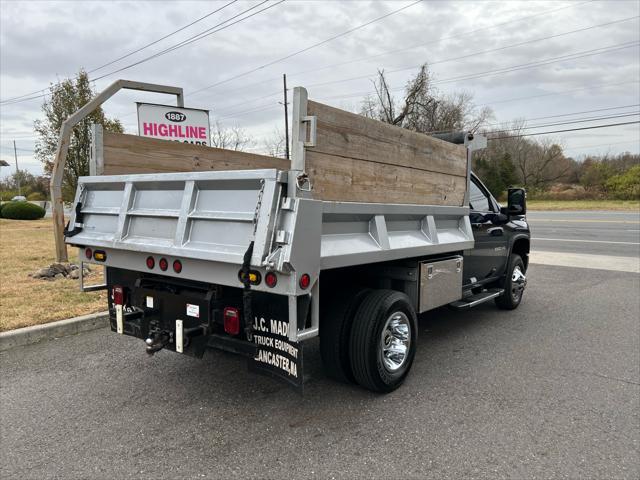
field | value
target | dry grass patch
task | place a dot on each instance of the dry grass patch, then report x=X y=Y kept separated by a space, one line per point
x=26 y=246
x=622 y=205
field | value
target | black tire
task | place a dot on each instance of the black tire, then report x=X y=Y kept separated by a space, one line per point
x=513 y=290
x=335 y=331
x=366 y=346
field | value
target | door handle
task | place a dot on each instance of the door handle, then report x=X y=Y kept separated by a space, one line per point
x=496 y=231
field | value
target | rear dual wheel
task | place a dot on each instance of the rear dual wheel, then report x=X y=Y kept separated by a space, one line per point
x=382 y=335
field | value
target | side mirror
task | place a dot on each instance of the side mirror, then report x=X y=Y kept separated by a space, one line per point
x=517 y=201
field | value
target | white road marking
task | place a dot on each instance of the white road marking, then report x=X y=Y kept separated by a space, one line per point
x=584 y=260
x=572 y=220
x=584 y=241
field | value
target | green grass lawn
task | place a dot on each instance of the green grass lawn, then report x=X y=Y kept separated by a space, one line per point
x=26 y=247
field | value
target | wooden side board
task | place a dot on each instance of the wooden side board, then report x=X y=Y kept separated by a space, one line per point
x=132 y=154
x=362 y=160
x=351 y=180
x=346 y=134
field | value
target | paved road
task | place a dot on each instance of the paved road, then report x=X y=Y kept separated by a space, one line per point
x=551 y=390
x=548 y=391
x=598 y=233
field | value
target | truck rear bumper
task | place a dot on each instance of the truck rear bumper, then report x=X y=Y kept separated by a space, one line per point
x=187 y=318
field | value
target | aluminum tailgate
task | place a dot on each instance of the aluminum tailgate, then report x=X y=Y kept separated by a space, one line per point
x=200 y=215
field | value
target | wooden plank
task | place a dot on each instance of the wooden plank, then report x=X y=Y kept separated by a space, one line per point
x=352 y=180
x=132 y=154
x=346 y=134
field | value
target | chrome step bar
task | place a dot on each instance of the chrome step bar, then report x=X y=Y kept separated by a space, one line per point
x=477 y=299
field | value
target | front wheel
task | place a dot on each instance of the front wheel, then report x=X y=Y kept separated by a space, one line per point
x=383 y=340
x=514 y=285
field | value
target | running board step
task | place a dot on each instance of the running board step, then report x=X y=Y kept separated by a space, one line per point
x=474 y=300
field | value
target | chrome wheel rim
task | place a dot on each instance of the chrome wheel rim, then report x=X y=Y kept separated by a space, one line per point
x=518 y=282
x=395 y=341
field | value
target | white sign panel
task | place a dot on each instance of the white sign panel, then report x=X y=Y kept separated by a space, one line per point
x=187 y=125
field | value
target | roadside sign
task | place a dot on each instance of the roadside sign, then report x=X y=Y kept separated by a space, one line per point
x=187 y=125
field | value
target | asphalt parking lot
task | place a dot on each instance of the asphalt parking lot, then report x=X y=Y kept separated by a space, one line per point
x=551 y=390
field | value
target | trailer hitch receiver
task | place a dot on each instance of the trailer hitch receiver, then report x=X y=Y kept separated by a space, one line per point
x=156 y=342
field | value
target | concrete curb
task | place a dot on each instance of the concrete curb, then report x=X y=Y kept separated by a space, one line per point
x=49 y=331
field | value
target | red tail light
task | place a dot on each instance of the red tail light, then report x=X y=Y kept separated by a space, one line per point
x=231 y=320
x=151 y=263
x=305 y=281
x=270 y=279
x=177 y=266
x=118 y=295
x=88 y=253
x=163 y=264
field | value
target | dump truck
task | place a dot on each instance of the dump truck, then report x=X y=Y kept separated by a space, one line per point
x=366 y=227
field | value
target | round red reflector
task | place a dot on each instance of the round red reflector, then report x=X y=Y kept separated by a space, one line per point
x=270 y=279
x=88 y=253
x=163 y=264
x=150 y=263
x=305 y=281
x=177 y=266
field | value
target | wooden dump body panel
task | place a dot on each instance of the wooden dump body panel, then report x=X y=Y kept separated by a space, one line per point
x=357 y=159
x=127 y=154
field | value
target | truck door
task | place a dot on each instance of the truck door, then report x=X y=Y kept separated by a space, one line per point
x=486 y=260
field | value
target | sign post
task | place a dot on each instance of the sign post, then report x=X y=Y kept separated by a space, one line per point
x=187 y=125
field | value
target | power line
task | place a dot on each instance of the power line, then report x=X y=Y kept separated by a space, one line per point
x=437 y=62
x=431 y=42
x=577 y=120
x=181 y=44
x=162 y=38
x=306 y=49
x=568 y=122
x=576 y=113
x=512 y=68
x=197 y=37
x=132 y=52
x=573 y=56
x=602 y=145
x=462 y=34
x=563 y=92
x=482 y=52
x=565 y=130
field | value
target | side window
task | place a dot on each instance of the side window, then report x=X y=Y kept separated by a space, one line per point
x=478 y=200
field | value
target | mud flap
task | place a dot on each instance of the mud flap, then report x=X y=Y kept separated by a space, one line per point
x=276 y=356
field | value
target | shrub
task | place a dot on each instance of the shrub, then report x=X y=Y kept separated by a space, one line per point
x=1 y=207
x=7 y=195
x=36 y=196
x=625 y=186
x=22 y=211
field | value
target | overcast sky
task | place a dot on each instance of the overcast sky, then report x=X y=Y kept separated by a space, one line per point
x=42 y=42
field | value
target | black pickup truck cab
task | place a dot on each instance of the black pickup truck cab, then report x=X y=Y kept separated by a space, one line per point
x=500 y=256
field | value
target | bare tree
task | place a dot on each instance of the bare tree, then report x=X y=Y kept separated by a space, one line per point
x=423 y=109
x=275 y=145
x=538 y=163
x=232 y=138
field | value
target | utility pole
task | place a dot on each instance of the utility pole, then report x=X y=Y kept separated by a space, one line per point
x=286 y=117
x=15 y=155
